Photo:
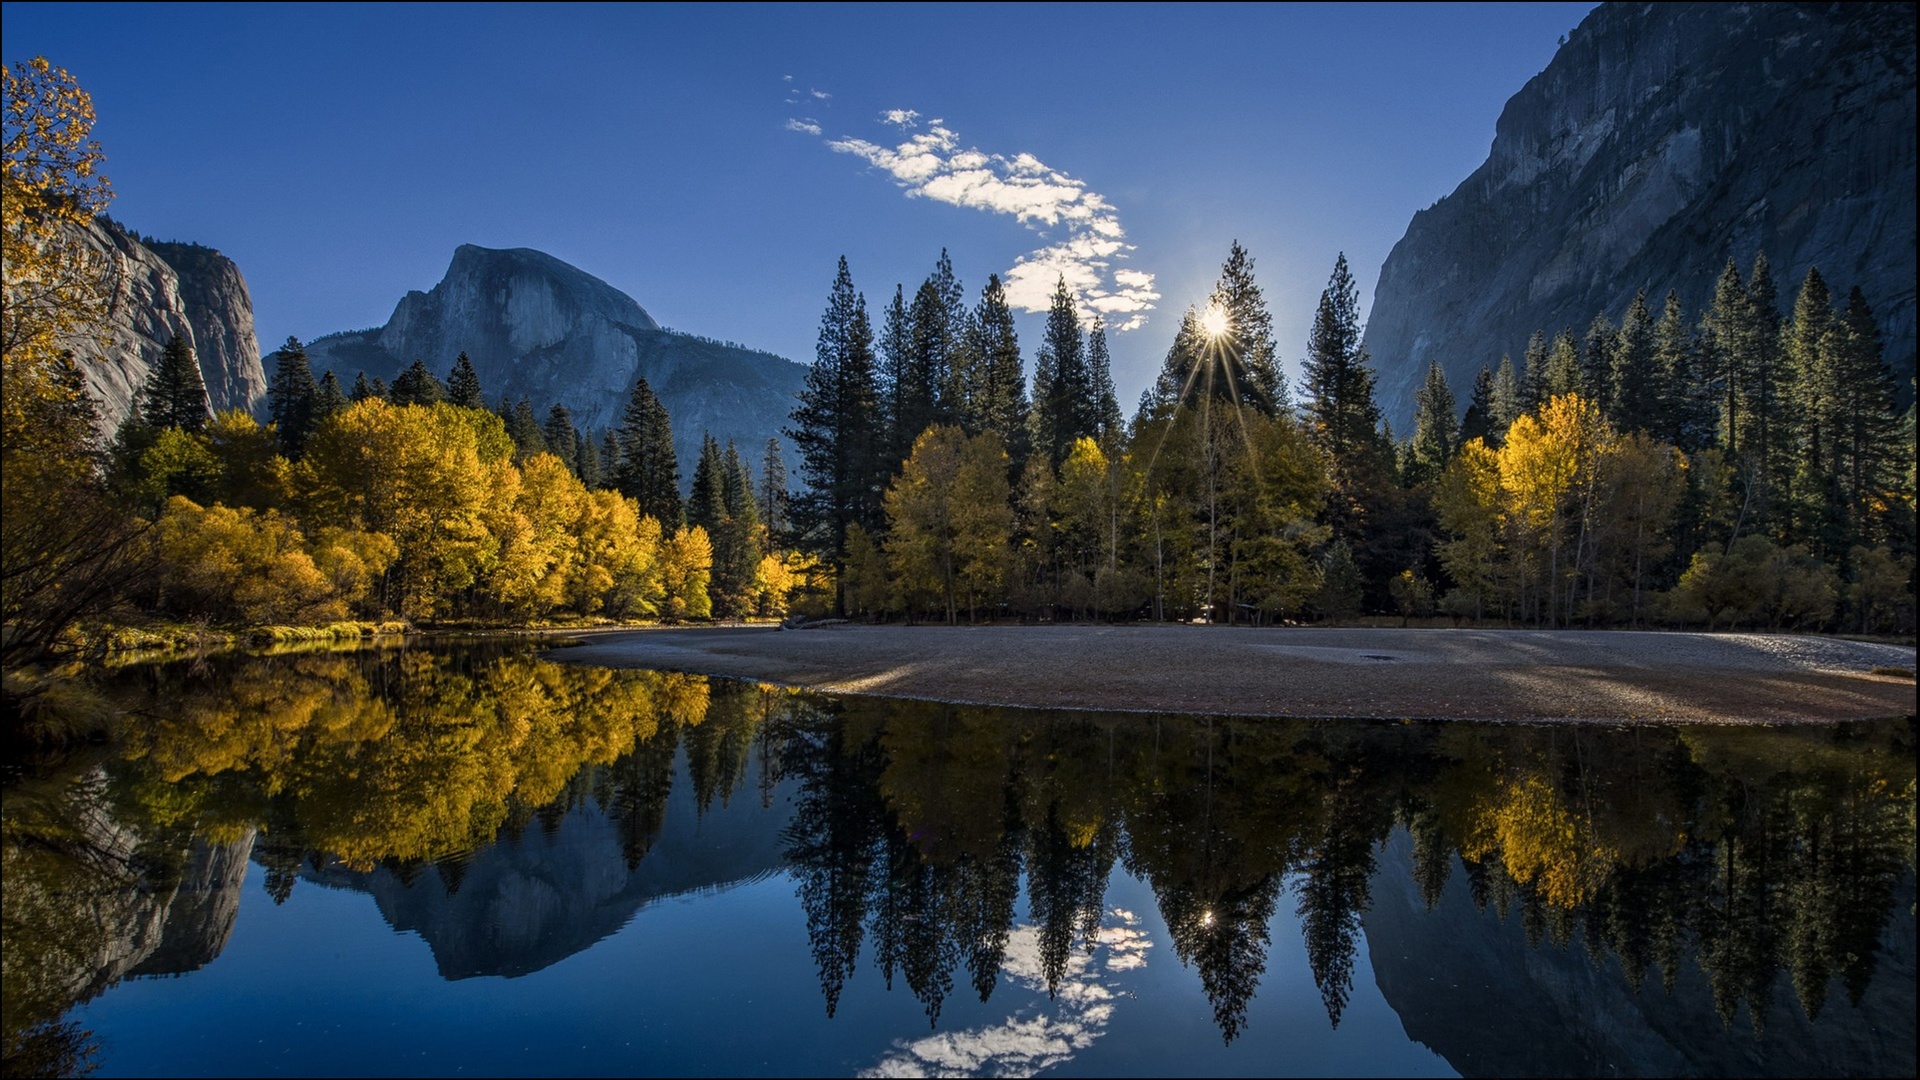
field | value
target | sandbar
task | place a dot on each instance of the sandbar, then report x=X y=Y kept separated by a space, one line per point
x=1503 y=675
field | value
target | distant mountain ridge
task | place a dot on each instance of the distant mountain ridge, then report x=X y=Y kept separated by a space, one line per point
x=1660 y=141
x=541 y=329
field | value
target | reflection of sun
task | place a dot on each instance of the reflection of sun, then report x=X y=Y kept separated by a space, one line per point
x=1214 y=321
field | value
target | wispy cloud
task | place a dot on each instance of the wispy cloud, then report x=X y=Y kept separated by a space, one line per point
x=1086 y=238
x=1047 y=1033
x=806 y=127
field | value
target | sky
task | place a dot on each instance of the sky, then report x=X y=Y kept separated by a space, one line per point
x=715 y=161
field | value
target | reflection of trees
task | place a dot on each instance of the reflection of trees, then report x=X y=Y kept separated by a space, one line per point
x=1755 y=854
x=1751 y=852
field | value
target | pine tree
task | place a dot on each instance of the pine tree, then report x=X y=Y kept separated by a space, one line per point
x=1508 y=400
x=649 y=470
x=1065 y=403
x=362 y=389
x=1478 y=423
x=773 y=492
x=896 y=347
x=1596 y=362
x=290 y=398
x=1000 y=389
x=833 y=428
x=1563 y=365
x=563 y=439
x=417 y=386
x=609 y=459
x=1533 y=373
x=1248 y=345
x=463 y=385
x=1870 y=443
x=1812 y=353
x=524 y=428
x=1682 y=403
x=919 y=397
x=1341 y=413
x=328 y=399
x=1100 y=366
x=592 y=475
x=1637 y=403
x=1435 y=429
x=174 y=396
x=706 y=500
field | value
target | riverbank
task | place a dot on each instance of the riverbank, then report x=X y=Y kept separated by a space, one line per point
x=1604 y=676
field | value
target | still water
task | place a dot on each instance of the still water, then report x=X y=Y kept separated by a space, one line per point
x=471 y=860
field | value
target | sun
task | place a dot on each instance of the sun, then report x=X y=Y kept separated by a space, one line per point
x=1214 y=321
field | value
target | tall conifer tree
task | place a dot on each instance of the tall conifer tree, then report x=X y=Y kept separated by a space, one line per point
x=463 y=385
x=1340 y=409
x=1065 y=403
x=833 y=428
x=417 y=386
x=649 y=470
x=1248 y=342
x=290 y=397
x=175 y=396
x=563 y=439
x=1435 y=427
x=1100 y=366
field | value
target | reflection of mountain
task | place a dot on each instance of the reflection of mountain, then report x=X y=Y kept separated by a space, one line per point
x=201 y=912
x=1467 y=984
x=527 y=902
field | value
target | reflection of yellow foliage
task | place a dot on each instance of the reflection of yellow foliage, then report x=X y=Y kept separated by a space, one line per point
x=1543 y=843
x=427 y=769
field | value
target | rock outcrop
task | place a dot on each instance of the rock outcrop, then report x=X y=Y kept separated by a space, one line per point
x=1660 y=141
x=160 y=290
x=540 y=329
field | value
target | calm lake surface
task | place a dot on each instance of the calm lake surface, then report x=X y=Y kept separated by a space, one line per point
x=469 y=860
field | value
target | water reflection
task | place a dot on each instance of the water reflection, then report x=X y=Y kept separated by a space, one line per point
x=514 y=811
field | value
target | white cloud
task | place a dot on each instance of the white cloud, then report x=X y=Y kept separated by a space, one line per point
x=933 y=164
x=821 y=94
x=806 y=127
x=1033 y=1039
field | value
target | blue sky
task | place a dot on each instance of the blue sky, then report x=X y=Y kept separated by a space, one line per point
x=715 y=161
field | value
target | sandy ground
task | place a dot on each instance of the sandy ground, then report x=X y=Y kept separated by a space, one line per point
x=1462 y=674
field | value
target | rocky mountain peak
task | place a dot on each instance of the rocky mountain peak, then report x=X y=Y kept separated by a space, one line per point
x=1662 y=140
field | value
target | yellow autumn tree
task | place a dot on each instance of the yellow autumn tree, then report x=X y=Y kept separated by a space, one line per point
x=948 y=521
x=686 y=568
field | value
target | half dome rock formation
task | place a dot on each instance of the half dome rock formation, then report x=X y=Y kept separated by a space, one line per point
x=1662 y=140
x=160 y=290
x=537 y=328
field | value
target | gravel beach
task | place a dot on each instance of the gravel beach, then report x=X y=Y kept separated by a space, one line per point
x=1607 y=676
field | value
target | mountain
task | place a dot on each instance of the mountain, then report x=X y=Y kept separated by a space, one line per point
x=1661 y=140
x=1467 y=983
x=160 y=290
x=538 y=328
x=539 y=895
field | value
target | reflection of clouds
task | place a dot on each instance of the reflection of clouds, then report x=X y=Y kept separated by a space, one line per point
x=932 y=163
x=1025 y=1044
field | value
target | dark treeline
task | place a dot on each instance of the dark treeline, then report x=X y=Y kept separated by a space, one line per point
x=1759 y=857
x=1737 y=466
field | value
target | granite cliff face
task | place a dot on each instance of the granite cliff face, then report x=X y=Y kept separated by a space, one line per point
x=538 y=328
x=160 y=290
x=1662 y=140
